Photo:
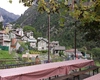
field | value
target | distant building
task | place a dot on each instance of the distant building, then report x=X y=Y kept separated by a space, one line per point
x=71 y=52
x=32 y=41
x=1 y=18
x=1 y=21
x=12 y=35
x=29 y=33
x=19 y=32
x=24 y=38
x=54 y=43
x=42 y=43
x=4 y=39
x=14 y=44
x=30 y=38
x=57 y=49
x=9 y=26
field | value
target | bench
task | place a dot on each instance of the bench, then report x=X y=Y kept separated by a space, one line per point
x=63 y=77
x=92 y=68
x=75 y=75
x=94 y=77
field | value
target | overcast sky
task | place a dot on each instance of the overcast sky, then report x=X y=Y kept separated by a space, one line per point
x=15 y=7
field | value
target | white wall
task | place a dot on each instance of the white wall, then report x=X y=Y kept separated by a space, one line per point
x=42 y=45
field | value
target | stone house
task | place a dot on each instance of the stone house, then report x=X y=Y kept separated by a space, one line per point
x=24 y=38
x=29 y=33
x=71 y=52
x=19 y=31
x=4 y=39
x=52 y=45
x=9 y=26
x=42 y=43
x=30 y=38
x=32 y=41
x=57 y=49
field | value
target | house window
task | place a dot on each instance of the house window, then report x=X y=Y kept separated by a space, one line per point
x=31 y=34
x=42 y=47
x=17 y=31
x=56 y=51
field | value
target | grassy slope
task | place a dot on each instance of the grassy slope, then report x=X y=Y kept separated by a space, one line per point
x=5 y=54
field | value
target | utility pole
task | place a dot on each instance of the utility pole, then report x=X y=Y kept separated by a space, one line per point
x=75 y=29
x=75 y=40
x=48 y=38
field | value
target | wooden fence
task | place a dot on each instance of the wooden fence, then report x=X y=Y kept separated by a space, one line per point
x=5 y=66
x=13 y=63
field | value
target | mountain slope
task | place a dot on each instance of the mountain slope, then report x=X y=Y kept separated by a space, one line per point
x=65 y=35
x=8 y=17
x=28 y=17
x=40 y=23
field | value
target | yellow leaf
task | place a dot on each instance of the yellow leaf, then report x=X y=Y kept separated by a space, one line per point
x=10 y=1
x=66 y=2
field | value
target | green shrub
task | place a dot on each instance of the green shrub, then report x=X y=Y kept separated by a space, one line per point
x=25 y=59
x=24 y=45
x=44 y=51
x=34 y=52
x=96 y=52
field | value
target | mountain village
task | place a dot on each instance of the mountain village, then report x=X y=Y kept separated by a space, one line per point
x=64 y=54
x=10 y=39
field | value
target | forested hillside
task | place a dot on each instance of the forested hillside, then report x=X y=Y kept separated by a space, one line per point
x=64 y=34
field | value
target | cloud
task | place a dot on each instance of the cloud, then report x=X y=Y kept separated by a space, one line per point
x=14 y=7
